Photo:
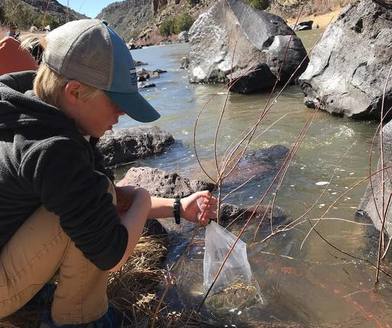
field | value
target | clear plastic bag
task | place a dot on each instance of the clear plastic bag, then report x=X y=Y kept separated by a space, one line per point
x=235 y=285
x=218 y=242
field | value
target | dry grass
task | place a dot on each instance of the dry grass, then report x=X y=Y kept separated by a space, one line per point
x=133 y=290
x=136 y=290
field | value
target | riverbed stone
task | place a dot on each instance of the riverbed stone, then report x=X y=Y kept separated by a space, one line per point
x=163 y=184
x=349 y=66
x=250 y=48
x=258 y=165
x=146 y=85
x=235 y=216
x=125 y=145
x=169 y=184
x=184 y=62
x=303 y=26
x=183 y=36
x=372 y=202
x=145 y=75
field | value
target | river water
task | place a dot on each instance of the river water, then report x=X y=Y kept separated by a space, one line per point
x=315 y=284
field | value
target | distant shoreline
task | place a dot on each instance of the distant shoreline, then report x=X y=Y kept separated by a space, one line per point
x=320 y=21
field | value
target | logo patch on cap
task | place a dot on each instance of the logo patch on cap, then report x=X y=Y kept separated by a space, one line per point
x=132 y=71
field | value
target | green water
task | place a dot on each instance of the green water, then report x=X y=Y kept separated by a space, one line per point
x=316 y=284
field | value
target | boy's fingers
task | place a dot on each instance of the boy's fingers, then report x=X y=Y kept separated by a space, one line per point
x=213 y=200
x=203 y=220
x=206 y=194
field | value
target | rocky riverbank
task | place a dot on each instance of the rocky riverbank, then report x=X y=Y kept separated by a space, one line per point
x=143 y=28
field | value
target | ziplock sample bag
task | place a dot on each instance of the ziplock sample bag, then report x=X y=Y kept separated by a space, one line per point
x=234 y=286
x=218 y=242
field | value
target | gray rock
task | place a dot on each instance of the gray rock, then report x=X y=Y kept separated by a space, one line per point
x=269 y=154
x=183 y=36
x=261 y=164
x=184 y=62
x=303 y=26
x=145 y=75
x=163 y=184
x=371 y=203
x=349 y=66
x=146 y=85
x=139 y=63
x=237 y=216
x=133 y=46
x=233 y=42
x=126 y=145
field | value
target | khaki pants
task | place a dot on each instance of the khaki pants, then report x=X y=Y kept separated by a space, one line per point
x=31 y=258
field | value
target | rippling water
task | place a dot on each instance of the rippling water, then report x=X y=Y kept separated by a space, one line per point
x=315 y=285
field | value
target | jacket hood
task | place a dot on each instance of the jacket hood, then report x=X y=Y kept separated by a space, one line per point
x=20 y=107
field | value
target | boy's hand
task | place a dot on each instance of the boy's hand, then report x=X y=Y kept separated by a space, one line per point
x=199 y=207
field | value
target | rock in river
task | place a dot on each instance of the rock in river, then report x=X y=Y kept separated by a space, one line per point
x=233 y=42
x=259 y=165
x=303 y=26
x=162 y=184
x=349 y=66
x=371 y=205
x=126 y=145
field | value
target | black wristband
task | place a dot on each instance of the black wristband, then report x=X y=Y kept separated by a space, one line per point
x=176 y=210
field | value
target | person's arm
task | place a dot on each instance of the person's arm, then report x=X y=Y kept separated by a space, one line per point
x=60 y=171
x=198 y=207
x=134 y=220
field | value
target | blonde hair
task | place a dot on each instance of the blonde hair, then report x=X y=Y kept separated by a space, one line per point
x=34 y=43
x=49 y=86
x=30 y=40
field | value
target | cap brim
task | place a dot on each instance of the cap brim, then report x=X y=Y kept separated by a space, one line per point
x=135 y=106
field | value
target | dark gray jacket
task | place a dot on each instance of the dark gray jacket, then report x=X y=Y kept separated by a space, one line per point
x=44 y=160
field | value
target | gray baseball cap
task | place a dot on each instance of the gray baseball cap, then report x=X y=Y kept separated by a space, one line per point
x=90 y=52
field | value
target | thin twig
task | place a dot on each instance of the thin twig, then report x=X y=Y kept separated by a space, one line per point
x=381 y=237
x=314 y=204
x=247 y=223
x=238 y=188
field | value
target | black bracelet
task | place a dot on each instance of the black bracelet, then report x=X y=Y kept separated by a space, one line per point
x=176 y=209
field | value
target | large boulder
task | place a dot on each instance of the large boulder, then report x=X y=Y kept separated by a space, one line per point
x=260 y=165
x=371 y=205
x=349 y=66
x=183 y=36
x=169 y=184
x=129 y=144
x=250 y=48
x=162 y=184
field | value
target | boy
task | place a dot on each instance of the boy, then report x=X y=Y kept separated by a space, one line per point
x=57 y=211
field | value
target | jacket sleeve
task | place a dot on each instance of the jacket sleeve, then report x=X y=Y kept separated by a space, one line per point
x=19 y=81
x=99 y=161
x=60 y=173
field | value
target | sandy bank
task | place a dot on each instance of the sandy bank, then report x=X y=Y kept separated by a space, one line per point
x=322 y=21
